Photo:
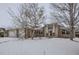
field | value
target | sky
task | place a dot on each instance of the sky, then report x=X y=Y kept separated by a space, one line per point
x=6 y=20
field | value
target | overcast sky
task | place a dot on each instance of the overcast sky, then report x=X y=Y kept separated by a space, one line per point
x=5 y=19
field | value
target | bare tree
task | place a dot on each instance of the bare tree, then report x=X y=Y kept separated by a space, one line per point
x=68 y=13
x=30 y=14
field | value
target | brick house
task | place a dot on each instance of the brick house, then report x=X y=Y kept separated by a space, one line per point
x=49 y=30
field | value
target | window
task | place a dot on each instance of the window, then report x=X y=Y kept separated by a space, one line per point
x=63 y=31
x=67 y=32
x=50 y=33
x=77 y=35
x=53 y=34
x=50 y=27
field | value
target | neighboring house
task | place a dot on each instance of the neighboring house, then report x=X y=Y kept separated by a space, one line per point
x=2 y=32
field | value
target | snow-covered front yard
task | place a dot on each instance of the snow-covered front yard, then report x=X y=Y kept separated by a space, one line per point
x=43 y=46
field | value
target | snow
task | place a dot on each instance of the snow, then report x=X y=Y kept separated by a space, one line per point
x=39 y=46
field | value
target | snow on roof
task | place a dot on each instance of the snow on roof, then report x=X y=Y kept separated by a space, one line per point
x=64 y=24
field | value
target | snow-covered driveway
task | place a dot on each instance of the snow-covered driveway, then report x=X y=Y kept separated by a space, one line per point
x=45 y=46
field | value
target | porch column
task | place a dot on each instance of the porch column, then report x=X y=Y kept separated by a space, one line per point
x=7 y=33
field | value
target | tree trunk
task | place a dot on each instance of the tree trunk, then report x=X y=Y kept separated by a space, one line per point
x=33 y=34
x=72 y=33
x=17 y=33
x=25 y=30
x=71 y=21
